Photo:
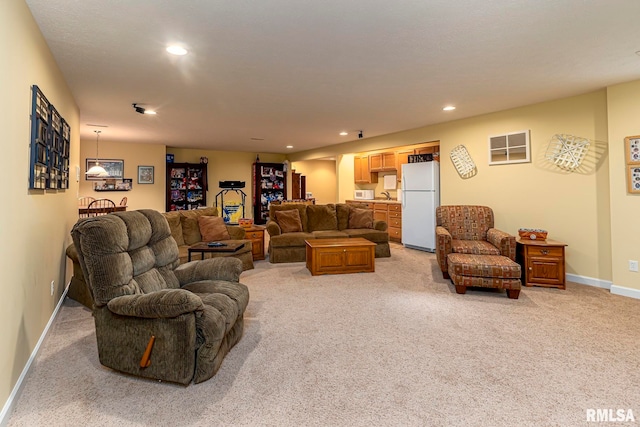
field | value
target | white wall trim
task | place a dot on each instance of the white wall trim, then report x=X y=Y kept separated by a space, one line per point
x=625 y=292
x=614 y=289
x=591 y=281
x=17 y=390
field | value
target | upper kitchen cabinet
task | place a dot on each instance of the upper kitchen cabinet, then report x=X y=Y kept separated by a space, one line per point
x=362 y=173
x=402 y=156
x=435 y=150
x=382 y=162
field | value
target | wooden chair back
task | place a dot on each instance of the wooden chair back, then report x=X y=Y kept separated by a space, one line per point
x=84 y=202
x=123 y=202
x=101 y=207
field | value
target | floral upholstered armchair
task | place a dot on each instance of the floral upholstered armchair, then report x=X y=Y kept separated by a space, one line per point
x=154 y=317
x=468 y=229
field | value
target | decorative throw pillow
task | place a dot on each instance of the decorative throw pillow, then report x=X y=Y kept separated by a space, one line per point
x=213 y=228
x=289 y=221
x=322 y=217
x=360 y=218
x=175 y=225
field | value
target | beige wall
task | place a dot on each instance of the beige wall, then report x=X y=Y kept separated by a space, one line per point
x=624 y=110
x=227 y=166
x=142 y=196
x=35 y=224
x=572 y=206
x=321 y=179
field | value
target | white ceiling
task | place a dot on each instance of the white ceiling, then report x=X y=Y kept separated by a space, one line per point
x=297 y=72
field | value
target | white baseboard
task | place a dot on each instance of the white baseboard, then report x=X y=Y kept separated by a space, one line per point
x=583 y=280
x=625 y=292
x=17 y=390
x=614 y=289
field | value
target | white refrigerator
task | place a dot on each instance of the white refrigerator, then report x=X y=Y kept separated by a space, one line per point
x=420 y=197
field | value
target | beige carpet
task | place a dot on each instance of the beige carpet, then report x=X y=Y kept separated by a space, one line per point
x=397 y=347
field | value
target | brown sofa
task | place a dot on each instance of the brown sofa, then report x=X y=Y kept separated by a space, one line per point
x=320 y=222
x=186 y=232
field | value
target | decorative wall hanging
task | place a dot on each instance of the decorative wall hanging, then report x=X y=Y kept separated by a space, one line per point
x=462 y=161
x=50 y=144
x=145 y=174
x=512 y=147
x=632 y=156
x=567 y=151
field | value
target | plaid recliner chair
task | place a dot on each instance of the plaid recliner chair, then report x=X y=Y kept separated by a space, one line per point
x=468 y=229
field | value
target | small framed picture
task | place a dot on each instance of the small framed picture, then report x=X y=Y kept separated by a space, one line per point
x=633 y=178
x=632 y=149
x=145 y=174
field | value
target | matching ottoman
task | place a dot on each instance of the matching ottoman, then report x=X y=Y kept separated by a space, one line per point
x=485 y=271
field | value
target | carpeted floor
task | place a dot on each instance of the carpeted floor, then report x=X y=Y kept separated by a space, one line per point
x=397 y=347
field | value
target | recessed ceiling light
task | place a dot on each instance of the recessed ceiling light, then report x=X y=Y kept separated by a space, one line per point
x=344 y=133
x=449 y=108
x=176 y=50
x=289 y=146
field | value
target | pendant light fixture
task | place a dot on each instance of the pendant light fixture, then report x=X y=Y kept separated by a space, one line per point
x=97 y=170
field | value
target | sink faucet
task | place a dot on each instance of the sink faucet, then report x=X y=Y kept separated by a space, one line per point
x=387 y=195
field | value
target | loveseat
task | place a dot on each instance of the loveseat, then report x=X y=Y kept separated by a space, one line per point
x=185 y=230
x=290 y=224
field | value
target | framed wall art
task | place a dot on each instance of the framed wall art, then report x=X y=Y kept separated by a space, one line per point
x=114 y=168
x=632 y=157
x=633 y=178
x=50 y=145
x=145 y=174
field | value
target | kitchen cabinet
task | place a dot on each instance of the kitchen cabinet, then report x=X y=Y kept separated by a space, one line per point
x=394 y=222
x=435 y=150
x=362 y=173
x=380 y=211
x=542 y=262
x=382 y=162
x=402 y=157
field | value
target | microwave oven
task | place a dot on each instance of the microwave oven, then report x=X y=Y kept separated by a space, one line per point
x=363 y=195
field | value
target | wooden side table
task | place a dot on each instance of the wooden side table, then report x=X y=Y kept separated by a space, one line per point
x=542 y=262
x=256 y=235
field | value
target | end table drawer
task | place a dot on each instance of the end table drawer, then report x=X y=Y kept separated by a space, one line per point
x=552 y=251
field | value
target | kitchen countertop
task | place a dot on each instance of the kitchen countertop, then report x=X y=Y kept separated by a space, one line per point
x=393 y=201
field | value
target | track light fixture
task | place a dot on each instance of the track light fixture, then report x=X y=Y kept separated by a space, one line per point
x=141 y=110
x=360 y=134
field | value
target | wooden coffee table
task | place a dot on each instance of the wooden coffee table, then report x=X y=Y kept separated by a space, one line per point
x=340 y=256
x=203 y=248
